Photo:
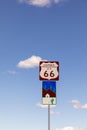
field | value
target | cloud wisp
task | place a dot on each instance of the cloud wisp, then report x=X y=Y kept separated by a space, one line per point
x=78 y=105
x=31 y=62
x=71 y=128
x=40 y=3
x=55 y=113
x=13 y=72
x=46 y=106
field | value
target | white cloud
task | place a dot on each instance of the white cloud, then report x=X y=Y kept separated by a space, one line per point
x=31 y=62
x=40 y=3
x=76 y=104
x=71 y=128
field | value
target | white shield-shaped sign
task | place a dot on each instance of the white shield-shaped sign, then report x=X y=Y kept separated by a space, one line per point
x=49 y=70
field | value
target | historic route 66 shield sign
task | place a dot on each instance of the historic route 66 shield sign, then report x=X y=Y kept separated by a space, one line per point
x=49 y=70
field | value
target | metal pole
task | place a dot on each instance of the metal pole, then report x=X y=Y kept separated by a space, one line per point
x=48 y=117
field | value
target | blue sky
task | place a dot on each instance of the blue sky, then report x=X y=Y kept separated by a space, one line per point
x=31 y=31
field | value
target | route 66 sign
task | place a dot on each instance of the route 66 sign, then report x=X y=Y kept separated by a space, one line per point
x=49 y=70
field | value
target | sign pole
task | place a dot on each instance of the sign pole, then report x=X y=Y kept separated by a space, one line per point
x=48 y=117
x=49 y=71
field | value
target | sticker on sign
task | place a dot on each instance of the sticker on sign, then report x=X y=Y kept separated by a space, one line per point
x=49 y=70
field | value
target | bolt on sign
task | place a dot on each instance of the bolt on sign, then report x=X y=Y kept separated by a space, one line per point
x=49 y=70
x=48 y=92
